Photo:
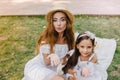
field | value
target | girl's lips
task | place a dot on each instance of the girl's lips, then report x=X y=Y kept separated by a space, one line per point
x=85 y=54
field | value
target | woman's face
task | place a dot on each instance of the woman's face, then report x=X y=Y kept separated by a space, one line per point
x=59 y=22
x=85 y=47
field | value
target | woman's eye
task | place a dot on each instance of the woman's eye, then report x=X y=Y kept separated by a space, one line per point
x=54 y=20
x=63 y=20
x=82 y=46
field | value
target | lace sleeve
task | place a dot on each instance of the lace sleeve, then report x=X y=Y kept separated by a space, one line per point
x=45 y=49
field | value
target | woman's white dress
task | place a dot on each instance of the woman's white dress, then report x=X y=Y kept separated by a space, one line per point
x=35 y=69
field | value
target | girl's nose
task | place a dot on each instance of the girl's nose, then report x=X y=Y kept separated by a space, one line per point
x=85 y=50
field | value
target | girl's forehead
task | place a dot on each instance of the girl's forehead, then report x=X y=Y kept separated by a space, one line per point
x=86 y=41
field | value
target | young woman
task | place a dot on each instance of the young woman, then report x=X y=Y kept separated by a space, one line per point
x=53 y=44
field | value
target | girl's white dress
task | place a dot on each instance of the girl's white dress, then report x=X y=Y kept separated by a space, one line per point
x=94 y=69
x=35 y=69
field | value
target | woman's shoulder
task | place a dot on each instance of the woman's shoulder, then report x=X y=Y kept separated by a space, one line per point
x=44 y=45
x=61 y=45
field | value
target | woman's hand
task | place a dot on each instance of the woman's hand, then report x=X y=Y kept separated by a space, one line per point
x=54 y=59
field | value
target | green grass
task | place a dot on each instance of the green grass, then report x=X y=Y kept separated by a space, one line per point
x=19 y=34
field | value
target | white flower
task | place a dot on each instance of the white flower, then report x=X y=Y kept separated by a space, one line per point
x=91 y=35
x=88 y=33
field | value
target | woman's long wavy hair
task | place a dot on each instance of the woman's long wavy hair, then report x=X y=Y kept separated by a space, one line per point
x=50 y=35
x=73 y=60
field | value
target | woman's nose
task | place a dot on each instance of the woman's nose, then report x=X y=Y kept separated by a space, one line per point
x=58 y=23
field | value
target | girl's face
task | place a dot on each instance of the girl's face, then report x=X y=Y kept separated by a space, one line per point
x=59 y=22
x=85 y=47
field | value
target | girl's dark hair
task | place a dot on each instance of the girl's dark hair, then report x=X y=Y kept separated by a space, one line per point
x=72 y=61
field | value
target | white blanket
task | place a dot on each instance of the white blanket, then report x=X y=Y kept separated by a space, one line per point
x=105 y=50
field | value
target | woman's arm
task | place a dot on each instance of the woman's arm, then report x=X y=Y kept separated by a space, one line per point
x=46 y=60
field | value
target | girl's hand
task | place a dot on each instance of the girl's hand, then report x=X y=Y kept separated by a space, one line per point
x=85 y=72
x=54 y=59
x=73 y=73
x=72 y=78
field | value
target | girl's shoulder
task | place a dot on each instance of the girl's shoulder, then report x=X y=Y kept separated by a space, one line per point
x=93 y=58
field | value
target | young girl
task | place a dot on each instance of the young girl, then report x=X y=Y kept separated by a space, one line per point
x=82 y=65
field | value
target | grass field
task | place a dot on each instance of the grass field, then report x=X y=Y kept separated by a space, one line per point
x=19 y=34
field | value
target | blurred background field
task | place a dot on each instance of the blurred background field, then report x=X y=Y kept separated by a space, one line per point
x=19 y=34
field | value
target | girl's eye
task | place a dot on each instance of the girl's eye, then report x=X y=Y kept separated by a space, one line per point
x=89 y=46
